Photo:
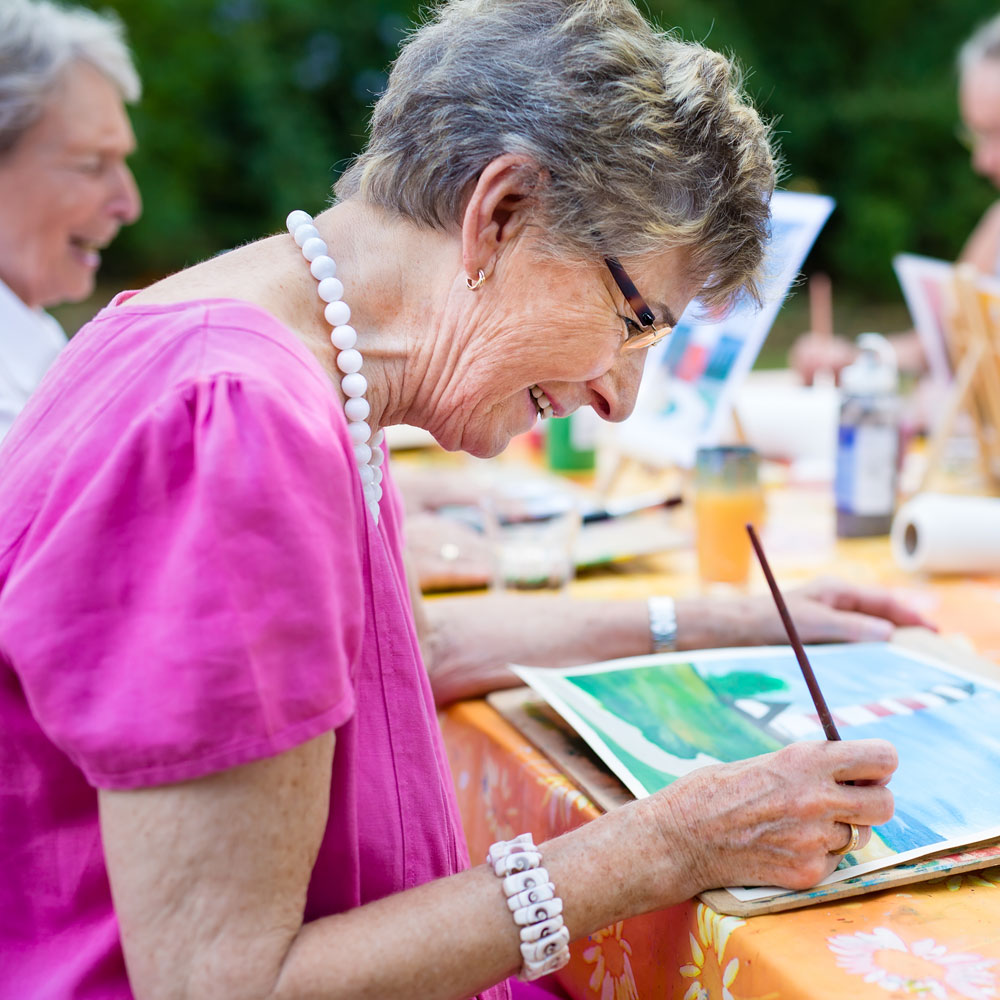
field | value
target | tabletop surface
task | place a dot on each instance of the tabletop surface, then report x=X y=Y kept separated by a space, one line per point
x=938 y=939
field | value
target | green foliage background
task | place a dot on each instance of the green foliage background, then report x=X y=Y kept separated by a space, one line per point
x=252 y=106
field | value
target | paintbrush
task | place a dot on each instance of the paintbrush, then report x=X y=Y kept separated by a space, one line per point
x=825 y=718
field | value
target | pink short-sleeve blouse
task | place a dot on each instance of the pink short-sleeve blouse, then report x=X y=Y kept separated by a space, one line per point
x=189 y=580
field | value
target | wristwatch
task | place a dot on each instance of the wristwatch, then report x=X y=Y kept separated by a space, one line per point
x=662 y=624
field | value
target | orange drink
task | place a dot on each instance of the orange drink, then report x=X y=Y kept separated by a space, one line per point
x=727 y=496
x=722 y=540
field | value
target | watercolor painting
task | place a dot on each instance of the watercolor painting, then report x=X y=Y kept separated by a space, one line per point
x=654 y=719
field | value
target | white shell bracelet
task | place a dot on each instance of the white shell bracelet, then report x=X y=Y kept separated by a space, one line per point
x=533 y=878
x=518 y=861
x=534 y=905
x=534 y=913
x=528 y=896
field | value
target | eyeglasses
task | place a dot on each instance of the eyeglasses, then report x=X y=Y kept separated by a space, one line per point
x=650 y=332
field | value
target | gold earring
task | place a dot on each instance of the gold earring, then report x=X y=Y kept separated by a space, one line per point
x=473 y=284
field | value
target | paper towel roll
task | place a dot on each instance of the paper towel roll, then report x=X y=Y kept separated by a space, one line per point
x=943 y=533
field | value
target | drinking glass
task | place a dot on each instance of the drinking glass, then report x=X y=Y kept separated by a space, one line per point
x=532 y=528
x=727 y=496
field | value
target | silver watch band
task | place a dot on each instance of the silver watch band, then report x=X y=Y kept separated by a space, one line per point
x=662 y=624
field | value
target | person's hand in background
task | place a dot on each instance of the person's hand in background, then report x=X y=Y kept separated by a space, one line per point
x=815 y=353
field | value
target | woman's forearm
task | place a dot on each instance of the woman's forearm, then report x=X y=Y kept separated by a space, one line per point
x=468 y=641
x=453 y=937
x=209 y=879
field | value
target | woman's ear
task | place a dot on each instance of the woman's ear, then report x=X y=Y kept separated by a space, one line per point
x=497 y=210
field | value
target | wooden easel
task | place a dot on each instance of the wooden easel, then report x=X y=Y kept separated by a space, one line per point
x=973 y=326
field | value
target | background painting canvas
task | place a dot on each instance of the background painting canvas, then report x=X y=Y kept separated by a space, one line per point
x=686 y=394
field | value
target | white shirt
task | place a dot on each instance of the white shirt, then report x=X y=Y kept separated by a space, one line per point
x=30 y=339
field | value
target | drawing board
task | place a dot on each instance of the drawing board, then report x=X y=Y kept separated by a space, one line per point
x=653 y=719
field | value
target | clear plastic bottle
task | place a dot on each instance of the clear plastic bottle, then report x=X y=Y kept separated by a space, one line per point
x=868 y=441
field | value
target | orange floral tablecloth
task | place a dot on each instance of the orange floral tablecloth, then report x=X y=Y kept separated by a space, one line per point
x=938 y=940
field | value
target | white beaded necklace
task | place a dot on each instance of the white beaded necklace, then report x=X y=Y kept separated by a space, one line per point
x=367 y=446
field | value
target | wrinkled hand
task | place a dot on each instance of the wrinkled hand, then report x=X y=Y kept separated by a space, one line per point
x=774 y=819
x=824 y=610
x=832 y=610
x=813 y=353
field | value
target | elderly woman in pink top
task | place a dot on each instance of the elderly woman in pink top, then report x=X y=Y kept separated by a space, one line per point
x=222 y=773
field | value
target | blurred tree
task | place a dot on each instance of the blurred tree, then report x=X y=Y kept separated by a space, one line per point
x=251 y=106
x=863 y=96
x=248 y=108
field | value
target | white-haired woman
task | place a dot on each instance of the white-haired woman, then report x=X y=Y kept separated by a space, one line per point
x=222 y=761
x=65 y=189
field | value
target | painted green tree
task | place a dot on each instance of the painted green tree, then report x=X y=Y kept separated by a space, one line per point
x=675 y=708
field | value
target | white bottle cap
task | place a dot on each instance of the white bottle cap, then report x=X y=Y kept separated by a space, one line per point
x=873 y=372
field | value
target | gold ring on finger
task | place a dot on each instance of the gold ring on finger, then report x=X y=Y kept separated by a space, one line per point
x=852 y=842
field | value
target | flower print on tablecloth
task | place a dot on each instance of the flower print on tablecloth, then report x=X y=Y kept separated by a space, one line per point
x=565 y=805
x=502 y=812
x=921 y=968
x=712 y=975
x=611 y=956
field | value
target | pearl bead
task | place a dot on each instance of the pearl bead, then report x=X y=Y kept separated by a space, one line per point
x=357 y=409
x=343 y=337
x=337 y=313
x=359 y=430
x=354 y=384
x=323 y=267
x=296 y=219
x=350 y=361
x=331 y=289
x=379 y=437
x=306 y=232
x=313 y=248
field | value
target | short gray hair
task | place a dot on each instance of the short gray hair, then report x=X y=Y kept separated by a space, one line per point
x=982 y=45
x=39 y=40
x=645 y=141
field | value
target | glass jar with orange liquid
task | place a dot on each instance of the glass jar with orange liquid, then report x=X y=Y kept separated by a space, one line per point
x=727 y=496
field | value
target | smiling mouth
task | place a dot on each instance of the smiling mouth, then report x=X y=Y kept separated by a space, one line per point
x=541 y=402
x=90 y=248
